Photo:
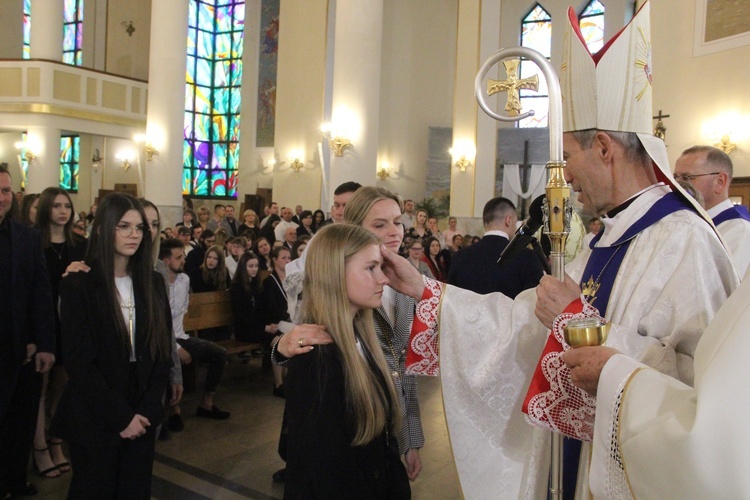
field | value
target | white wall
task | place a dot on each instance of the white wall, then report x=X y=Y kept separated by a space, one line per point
x=418 y=67
x=694 y=89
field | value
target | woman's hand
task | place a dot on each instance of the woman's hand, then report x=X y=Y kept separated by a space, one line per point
x=75 y=267
x=136 y=428
x=301 y=339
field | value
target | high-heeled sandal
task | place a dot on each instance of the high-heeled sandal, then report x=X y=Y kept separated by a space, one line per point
x=49 y=472
x=63 y=466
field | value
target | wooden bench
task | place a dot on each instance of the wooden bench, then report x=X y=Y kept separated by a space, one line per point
x=211 y=310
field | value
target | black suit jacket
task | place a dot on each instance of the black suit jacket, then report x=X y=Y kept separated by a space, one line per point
x=30 y=296
x=475 y=268
x=321 y=462
x=99 y=401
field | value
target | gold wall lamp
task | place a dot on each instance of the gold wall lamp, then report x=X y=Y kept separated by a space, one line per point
x=337 y=140
x=296 y=163
x=463 y=153
x=147 y=145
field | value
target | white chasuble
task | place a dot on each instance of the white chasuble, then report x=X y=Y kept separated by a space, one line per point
x=674 y=277
x=672 y=440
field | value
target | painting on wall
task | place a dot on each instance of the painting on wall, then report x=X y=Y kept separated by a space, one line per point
x=721 y=25
x=267 y=65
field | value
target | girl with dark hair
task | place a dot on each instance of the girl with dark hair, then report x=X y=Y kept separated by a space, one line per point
x=212 y=275
x=267 y=231
x=262 y=249
x=275 y=306
x=29 y=208
x=116 y=342
x=430 y=257
x=54 y=220
x=319 y=217
x=246 y=292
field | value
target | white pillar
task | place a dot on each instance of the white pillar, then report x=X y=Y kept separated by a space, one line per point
x=44 y=170
x=166 y=107
x=356 y=89
x=46 y=29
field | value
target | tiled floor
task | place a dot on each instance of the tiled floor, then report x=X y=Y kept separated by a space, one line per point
x=236 y=458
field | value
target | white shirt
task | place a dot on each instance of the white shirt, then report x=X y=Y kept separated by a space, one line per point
x=127 y=308
x=179 y=297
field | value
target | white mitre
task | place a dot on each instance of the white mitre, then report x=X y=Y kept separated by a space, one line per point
x=611 y=90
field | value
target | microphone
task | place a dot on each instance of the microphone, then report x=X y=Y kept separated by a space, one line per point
x=525 y=233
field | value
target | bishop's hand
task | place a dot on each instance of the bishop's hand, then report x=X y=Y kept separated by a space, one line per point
x=586 y=365
x=553 y=296
x=402 y=276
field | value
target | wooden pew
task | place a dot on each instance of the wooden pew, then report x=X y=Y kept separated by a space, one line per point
x=211 y=310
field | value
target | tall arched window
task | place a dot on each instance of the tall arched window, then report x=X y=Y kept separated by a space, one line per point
x=26 y=29
x=212 y=98
x=73 y=32
x=536 y=33
x=70 y=148
x=591 y=21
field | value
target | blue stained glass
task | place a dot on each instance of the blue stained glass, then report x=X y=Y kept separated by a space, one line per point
x=192 y=15
x=73 y=32
x=202 y=73
x=239 y=17
x=205 y=17
x=26 y=30
x=213 y=91
x=69 y=162
x=536 y=33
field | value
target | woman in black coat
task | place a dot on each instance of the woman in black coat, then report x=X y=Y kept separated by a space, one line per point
x=116 y=330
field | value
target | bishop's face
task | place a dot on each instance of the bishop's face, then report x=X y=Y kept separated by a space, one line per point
x=588 y=176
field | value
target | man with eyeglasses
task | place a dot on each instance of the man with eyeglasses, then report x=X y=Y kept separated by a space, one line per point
x=709 y=170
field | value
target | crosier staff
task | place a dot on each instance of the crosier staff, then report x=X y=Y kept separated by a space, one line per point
x=557 y=207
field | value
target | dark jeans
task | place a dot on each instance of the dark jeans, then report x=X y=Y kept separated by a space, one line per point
x=205 y=351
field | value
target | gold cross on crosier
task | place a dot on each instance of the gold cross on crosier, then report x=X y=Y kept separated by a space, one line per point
x=590 y=289
x=512 y=85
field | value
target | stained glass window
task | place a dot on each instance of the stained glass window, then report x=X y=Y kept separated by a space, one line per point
x=73 y=32
x=24 y=161
x=212 y=98
x=591 y=22
x=26 y=29
x=70 y=148
x=536 y=33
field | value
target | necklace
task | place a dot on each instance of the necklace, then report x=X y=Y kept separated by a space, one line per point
x=388 y=337
x=130 y=306
x=62 y=249
x=592 y=286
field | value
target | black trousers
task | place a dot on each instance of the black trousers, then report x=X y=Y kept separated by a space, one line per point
x=17 y=425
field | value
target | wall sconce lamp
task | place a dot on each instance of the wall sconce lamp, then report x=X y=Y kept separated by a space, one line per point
x=461 y=154
x=147 y=146
x=337 y=141
x=124 y=157
x=725 y=144
x=384 y=171
x=96 y=160
x=25 y=151
x=295 y=163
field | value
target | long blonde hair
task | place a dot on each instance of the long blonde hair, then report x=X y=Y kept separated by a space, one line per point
x=371 y=397
x=217 y=276
x=362 y=201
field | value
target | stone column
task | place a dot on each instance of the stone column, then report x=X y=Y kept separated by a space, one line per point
x=46 y=29
x=44 y=171
x=356 y=89
x=166 y=107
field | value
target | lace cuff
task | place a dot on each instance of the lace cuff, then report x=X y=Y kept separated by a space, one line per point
x=553 y=402
x=422 y=358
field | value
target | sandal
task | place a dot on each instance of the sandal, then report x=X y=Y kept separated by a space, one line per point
x=50 y=472
x=64 y=465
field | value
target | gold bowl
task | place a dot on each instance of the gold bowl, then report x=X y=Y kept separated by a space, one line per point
x=586 y=332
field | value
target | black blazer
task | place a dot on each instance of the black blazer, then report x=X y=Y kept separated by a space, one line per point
x=274 y=300
x=321 y=462
x=247 y=310
x=30 y=299
x=95 y=406
x=475 y=268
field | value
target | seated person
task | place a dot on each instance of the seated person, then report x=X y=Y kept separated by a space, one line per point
x=190 y=349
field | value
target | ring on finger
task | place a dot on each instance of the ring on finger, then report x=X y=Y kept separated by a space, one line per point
x=301 y=342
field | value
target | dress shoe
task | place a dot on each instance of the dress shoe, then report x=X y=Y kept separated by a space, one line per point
x=214 y=412
x=175 y=423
